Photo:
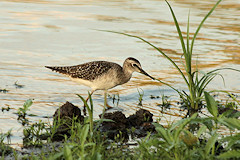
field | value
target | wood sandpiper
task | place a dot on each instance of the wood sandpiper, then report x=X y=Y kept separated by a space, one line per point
x=101 y=75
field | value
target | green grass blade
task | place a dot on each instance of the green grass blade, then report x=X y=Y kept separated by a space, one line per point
x=183 y=124
x=211 y=104
x=213 y=78
x=211 y=143
x=203 y=78
x=185 y=95
x=231 y=154
x=231 y=141
x=145 y=41
x=204 y=83
x=188 y=35
x=91 y=102
x=167 y=85
x=67 y=153
x=201 y=24
x=84 y=134
x=85 y=103
x=178 y=30
x=164 y=134
x=232 y=123
x=201 y=131
x=27 y=104
x=90 y=112
x=219 y=69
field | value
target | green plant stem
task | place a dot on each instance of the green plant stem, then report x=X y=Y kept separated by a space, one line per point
x=176 y=155
x=90 y=110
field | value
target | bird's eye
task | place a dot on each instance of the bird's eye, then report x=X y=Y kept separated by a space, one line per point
x=134 y=65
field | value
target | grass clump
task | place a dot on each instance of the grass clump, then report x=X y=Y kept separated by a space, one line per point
x=22 y=112
x=177 y=142
x=4 y=148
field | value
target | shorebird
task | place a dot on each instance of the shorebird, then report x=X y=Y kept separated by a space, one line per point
x=101 y=75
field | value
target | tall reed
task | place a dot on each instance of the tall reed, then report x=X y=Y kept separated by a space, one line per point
x=195 y=82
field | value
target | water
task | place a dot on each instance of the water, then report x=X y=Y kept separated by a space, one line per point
x=38 y=33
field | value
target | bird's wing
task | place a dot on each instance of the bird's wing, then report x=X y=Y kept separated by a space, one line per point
x=86 y=71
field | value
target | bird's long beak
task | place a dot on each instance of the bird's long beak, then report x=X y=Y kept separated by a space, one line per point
x=145 y=73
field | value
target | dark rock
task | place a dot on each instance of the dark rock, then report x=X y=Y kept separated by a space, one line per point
x=115 y=130
x=119 y=120
x=140 y=123
x=117 y=116
x=148 y=127
x=141 y=116
x=68 y=110
x=142 y=131
x=63 y=117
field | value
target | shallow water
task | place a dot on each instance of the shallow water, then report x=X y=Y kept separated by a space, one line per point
x=35 y=33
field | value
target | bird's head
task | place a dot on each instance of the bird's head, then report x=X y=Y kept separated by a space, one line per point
x=133 y=65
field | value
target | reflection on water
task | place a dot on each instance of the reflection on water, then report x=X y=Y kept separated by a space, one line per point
x=38 y=33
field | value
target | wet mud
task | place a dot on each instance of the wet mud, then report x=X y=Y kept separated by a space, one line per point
x=120 y=127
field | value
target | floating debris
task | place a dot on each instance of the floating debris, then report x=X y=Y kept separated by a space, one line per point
x=4 y=90
x=6 y=108
x=18 y=85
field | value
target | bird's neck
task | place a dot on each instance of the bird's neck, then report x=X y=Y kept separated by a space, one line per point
x=127 y=73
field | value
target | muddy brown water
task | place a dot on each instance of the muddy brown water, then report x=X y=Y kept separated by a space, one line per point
x=35 y=33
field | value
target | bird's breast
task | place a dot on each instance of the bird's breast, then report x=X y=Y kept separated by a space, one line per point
x=107 y=80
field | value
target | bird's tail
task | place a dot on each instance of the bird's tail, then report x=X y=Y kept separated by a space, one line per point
x=63 y=70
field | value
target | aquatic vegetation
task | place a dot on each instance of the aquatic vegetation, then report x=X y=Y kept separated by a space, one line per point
x=4 y=148
x=89 y=109
x=175 y=141
x=17 y=85
x=115 y=99
x=165 y=102
x=22 y=112
x=6 y=108
x=140 y=99
x=4 y=90
x=193 y=78
x=35 y=133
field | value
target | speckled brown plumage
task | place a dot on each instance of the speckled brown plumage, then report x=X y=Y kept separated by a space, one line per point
x=101 y=75
x=87 y=71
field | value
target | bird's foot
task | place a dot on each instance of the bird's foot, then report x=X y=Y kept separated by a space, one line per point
x=108 y=106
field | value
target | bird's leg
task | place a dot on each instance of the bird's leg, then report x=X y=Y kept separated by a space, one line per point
x=84 y=107
x=105 y=100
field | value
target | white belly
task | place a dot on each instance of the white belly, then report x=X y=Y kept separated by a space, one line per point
x=98 y=84
x=81 y=81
